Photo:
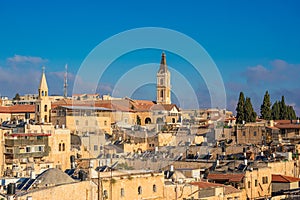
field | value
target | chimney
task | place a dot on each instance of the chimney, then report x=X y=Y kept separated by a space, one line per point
x=171 y=168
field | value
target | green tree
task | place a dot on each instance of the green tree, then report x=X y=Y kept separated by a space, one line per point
x=291 y=112
x=249 y=113
x=17 y=97
x=265 y=108
x=240 y=109
x=283 y=109
x=138 y=120
x=276 y=111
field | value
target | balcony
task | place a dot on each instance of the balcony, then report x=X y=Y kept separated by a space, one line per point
x=25 y=142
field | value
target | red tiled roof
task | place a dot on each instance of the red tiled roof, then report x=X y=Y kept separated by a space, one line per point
x=17 y=109
x=167 y=107
x=288 y=126
x=273 y=127
x=226 y=177
x=278 y=178
x=228 y=188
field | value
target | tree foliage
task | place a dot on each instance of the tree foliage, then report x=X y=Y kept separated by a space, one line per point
x=138 y=120
x=265 y=108
x=17 y=97
x=250 y=115
x=244 y=110
x=278 y=111
x=240 y=109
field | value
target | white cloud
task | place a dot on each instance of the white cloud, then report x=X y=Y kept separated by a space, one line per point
x=26 y=59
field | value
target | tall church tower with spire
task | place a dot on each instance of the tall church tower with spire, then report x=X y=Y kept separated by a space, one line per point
x=163 y=86
x=43 y=104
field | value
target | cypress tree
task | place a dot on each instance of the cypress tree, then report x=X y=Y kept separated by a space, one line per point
x=240 y=109
x=265 y=109
x=276 y=111
x=250 y=115
x=283 y=109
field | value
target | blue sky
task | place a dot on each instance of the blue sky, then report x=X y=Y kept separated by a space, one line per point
x=255 y=44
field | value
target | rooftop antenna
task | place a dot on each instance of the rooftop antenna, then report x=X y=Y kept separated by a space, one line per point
x=66 y=82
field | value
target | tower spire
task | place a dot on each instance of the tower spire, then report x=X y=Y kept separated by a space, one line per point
x=163 y=63
x=163 y=86
x=43 y=82
x=66 y=82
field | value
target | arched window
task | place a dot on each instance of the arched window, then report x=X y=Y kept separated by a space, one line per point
x=162 y=93
x=59 y=147
x=45 y=108
x=105 y=194
x=122 y=192
x=46 y=118
x=140 y=190
x=46 y=93
x=105 y=123
x=63 y=147
x=154 y=189
x=161 y=81
x=42 y=93
x=38 y=108
x=173 y=120
x=148 y=120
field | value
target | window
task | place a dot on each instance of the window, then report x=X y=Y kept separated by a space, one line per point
x=244 y=133
x=140 y=190
x=38 y=108
x=162 y=93
x=105 y=194
x=59 y=147
x=63 y=147
x=45 y=108
x=46 y=117
x=95 y=147
x=265 y=180
x=28 y=149
x=161 y=81
x=46 y=93
x=154 y=189
x=122 y=192
x=254 y=133
x=249 y=184
x=105 y=123
x=77 y=122
x=40 y=148
x=255 y=182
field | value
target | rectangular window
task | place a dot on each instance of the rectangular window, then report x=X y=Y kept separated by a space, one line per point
x=244 y=133
x=28 y=149
x=249 y=184
x=122 y=192
x=255 y=182
x=95 y=147
x=254 y=133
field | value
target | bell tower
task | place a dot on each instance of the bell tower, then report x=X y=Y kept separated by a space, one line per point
x=43 y=104
x=163 y=86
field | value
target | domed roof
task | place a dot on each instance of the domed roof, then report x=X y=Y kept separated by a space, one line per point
x=52 y=177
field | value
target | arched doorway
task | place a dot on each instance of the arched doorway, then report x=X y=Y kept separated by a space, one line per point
x=148 y=120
